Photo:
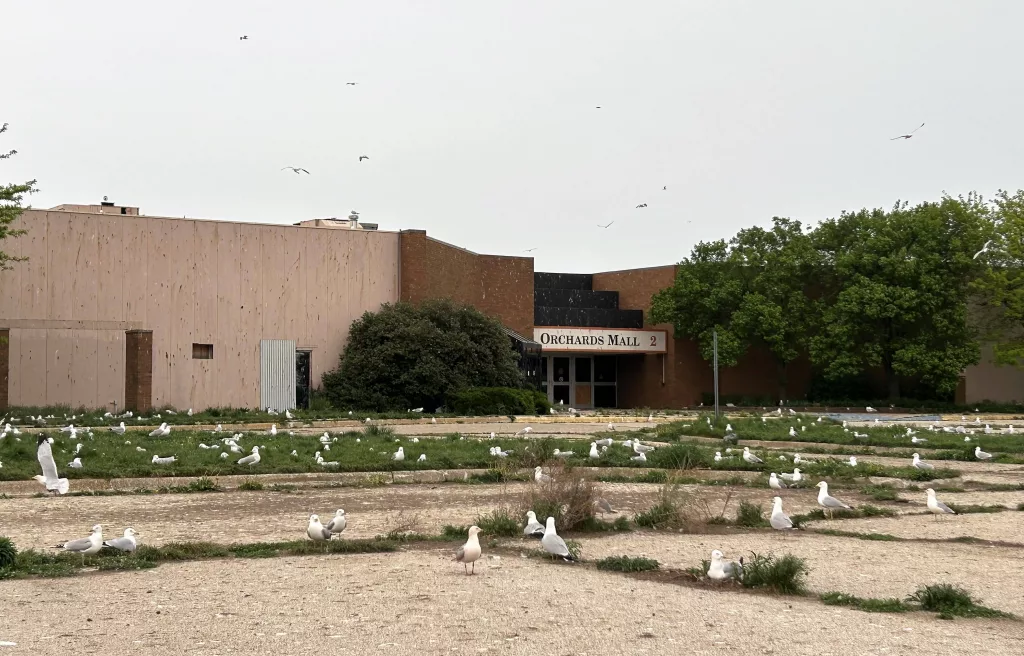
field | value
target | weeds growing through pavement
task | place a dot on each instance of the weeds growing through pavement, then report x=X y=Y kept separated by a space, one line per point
x=627 y=564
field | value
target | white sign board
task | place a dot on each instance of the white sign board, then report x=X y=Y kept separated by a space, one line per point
x=600 y=340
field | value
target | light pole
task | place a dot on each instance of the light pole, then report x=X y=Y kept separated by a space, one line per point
x=714 y=339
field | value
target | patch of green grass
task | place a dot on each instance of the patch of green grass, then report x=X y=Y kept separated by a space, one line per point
x=627 y=564
x=951 y=601
x=8 y=553
x=869 y=605
x=250 y=485
x=499 y=522
x=876 y=537
x=285 y=488
x=781 y=575
x=750 y=515
x=450 y=532
x=660 y=514
x=852 y=513
x=968 y=509
x=880 y=492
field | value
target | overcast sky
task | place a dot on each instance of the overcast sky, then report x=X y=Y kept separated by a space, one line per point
x=481 y=119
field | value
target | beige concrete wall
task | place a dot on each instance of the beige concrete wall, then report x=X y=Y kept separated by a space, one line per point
x=987 y=382
x=90 y=277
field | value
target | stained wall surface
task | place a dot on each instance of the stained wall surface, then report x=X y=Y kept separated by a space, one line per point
x=91 y=277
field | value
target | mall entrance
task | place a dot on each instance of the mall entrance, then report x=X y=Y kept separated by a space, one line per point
x=583 y=381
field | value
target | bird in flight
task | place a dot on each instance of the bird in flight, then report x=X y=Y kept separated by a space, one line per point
x=296 y=169
x=606 y=225
x=598 y=107
x=243 y=38
x=907 y=136
x=351 y=84
x=530 y=250
x=362 y=157
x=665 y=188
x=642 y=205
x=984 y=249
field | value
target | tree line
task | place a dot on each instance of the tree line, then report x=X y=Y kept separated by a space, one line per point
x=910 y=292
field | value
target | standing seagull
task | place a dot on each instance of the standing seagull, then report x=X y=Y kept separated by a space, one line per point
x=251 y=459
x=827 y=502
x=539 y=476
x=534 y=529
x=917 y=463
x=296 y=169
x=49 y=478
x=981 y=455
x=471 y=551
x=163 y=431
x=780 y=521
x=907 y=136
x=984 y=249
x=126 y=544
x=774 y=482
x=85 y=546
x=935 y=506
x=337 y=523
x=750 y=457
x=316 y=531
x=120 y=429
x=553 y=544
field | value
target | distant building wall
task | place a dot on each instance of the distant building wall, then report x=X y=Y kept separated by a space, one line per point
x=499 y=286
x=987 y=382
x=91 y=277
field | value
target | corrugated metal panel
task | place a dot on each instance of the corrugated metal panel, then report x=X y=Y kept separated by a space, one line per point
x=277 y=374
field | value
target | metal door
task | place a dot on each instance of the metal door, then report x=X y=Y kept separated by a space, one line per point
x=277 y=374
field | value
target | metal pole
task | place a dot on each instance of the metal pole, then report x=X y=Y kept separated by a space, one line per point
x=714 y=337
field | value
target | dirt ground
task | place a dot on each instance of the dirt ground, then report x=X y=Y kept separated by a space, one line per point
x=418 y=601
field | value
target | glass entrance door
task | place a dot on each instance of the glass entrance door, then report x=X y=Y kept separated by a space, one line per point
x=561 y=387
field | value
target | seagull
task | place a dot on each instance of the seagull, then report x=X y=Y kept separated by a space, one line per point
x=553 y=544
x=718 y=457
x=984 y=249
x=163 y=431
x=640 y=457
x=243 y=38
x=337 y=523
x=534 y=529
x=641 y=448
x=422 y=458
x=935 y=506
x=530 y=250
x=921 y=464
x=44 y=454
x=870 y=409
x=288 y=415
x=119 y=429
x=399 y=455
x=316 y=531
x=981 y=455
x=252 y=459
x=827 y=502
x=792 y=432
x=297 y=170
x=539 y=476
x=605 y=442
x=721 y=569
x=75 y=464
x=774 y=482
x=471 y=551
x=157 y=460
x=750 y=457
x=85 y=546
x=641 y=205
x=779 y=520
x=607 y=225
x=917 y=440
x=351 y=84
x=853 y=461
x=563 y=454
x=907 y=136
x=126 y=544
x=594 y=453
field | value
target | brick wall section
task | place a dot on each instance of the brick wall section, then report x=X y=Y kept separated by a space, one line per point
x=499 y=286
x=5 y=366
x=138 y=378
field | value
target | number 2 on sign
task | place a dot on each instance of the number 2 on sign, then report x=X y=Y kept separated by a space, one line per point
x=654 y=340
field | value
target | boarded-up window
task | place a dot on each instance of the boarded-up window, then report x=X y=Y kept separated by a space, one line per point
x=202 y=351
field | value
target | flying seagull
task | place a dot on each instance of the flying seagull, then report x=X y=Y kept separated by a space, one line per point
x=606 y=225
x=642 y=205
x=984 y=249
x=907 y=136
x=243 y=38
x=530 y=250
x=49 y=478
x=351 y=84
x=296 y=169
x=362 y=157
x=665 y=188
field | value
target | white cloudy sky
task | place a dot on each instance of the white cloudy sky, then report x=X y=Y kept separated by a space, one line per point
x=480 y=118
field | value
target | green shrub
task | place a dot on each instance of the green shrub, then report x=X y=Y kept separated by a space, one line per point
x=250 y=485
x=890 y=605
x=498 y=401
x=499 y=523
x=203 y=484
x=783 y=575
x=8 y=553
x=627 y=564
x=750 y=515
x=950 y=600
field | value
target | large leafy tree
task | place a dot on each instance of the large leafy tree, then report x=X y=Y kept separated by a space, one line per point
x=896 y=287
x=1000 y=286
x=776 y=311
x=405 y=356
x=11 y=196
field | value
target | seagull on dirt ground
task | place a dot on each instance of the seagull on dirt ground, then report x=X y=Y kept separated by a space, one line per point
x=721 y=569
x=85 y=546
x=827 y=502
x=553 y=544
x=917 y=463
x=534 y=529
x=539 y=476
x=780 y=521
x=935 y=506
x=750 y=457
x=127 y=543
x=774 y=482
x=471 y=551
x=337 y=523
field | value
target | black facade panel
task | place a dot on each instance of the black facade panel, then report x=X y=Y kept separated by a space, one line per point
x=587 y=318
x=581 y=281
x=576 y=298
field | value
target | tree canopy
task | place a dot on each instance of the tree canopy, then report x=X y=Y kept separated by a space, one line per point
x=871 y=290
x=407 y=356
x=11 y=196
x=1000 y=287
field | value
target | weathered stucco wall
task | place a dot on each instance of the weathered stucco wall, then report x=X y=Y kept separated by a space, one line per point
x=91 y=277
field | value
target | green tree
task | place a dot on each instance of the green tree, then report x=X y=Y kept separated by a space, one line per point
x=405 y=356
x=11 y=196
x=776 y=311
x=896 y=287
x=1000 y=286
x=707 y=292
